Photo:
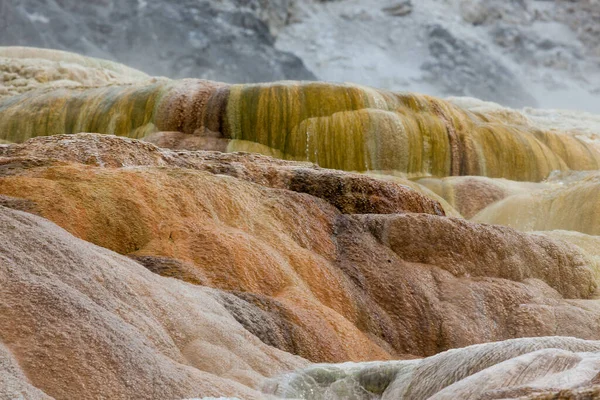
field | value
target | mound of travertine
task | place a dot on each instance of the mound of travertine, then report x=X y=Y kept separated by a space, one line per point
x=80 y=321
x=571 y=205
x=23 y=69
x=343 y=126
x=532 y=368
x=350 y=193
x=471 y=194
x=327 y=265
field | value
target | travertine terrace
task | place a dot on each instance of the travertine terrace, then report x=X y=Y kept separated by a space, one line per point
x=168 y=239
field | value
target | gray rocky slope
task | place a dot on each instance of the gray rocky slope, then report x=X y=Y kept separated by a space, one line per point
x=543 y=53
x=228 y=40
x=515 y=52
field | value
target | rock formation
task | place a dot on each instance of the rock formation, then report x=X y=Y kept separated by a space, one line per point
x=470 y=194
x=407 y=134
x=568 y=206
x=23 y=69
x=522 y=368
x=133 y=270
x=271 y=233
x=80 y=321
x=231 y=40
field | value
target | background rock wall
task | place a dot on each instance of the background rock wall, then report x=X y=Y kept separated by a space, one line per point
x=221 y=40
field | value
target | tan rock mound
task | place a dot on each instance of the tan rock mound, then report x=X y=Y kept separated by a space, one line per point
x=443 y=282
x=350 y=193
x=572 y=206
x=589 y=243
x=470 y=194
x=69 y=59
x=423 y=189
x=79 y=321
x=23 y=69
x=331 y=285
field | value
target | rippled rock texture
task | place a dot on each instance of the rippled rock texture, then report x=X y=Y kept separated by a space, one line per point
x=291 y=252
x=339 y=126
x=80 y=321
x=23 y=69
x=522 y=368
x=132 y=270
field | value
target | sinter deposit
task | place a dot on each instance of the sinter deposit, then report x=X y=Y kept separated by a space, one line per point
x=171 y=239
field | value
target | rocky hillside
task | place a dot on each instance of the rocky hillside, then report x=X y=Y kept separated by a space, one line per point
x=220 y=40
x=516 y=52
